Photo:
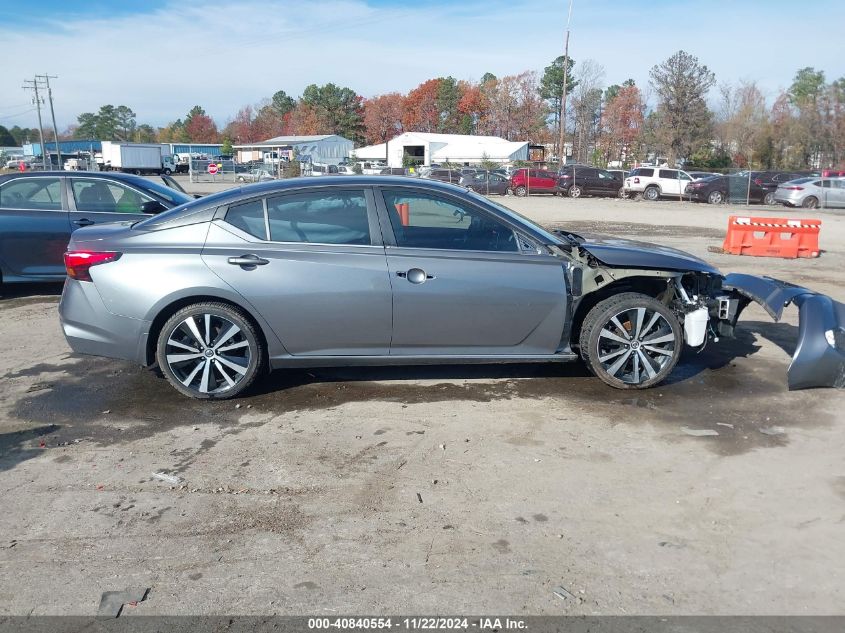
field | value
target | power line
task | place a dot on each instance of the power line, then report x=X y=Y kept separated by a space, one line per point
x=34 y=85
x=38 y=85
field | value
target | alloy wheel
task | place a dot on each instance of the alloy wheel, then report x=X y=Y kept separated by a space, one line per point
x=634 y=345
x=208 y=353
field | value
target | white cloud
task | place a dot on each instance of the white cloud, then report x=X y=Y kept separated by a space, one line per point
x=223 y=56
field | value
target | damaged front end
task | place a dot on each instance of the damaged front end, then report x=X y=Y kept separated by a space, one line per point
x=819 y=359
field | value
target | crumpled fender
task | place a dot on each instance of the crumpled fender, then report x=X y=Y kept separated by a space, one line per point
x=819 y=359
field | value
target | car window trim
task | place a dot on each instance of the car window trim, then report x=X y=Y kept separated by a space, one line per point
x=372 y=219
x=390 y=236
x=63 y=206
x=71 y=197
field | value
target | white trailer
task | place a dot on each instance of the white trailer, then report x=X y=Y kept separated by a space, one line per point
x=138 y=158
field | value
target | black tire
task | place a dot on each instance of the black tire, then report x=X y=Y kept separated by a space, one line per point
x=247 y=332
x=575 y=191
x=715 y=197
x=622 y=193
x=137 y=172
x=520 y=192
x=810 y=202
x=651 y=193
x=594 y=341
x=167 y=172
x=769 y=198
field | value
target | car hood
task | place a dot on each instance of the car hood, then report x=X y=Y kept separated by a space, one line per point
x=622 y=253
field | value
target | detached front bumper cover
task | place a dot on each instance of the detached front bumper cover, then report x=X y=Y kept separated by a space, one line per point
x=819 y=359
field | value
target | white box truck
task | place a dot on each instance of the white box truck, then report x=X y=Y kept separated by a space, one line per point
x=138 y=158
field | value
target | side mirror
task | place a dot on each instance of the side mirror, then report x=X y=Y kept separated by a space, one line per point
x=152 y=207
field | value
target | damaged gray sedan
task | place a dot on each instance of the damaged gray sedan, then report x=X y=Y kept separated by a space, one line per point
x=389 y=271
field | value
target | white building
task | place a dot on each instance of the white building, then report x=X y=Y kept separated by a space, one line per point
x=322 y=149
x=427 y=148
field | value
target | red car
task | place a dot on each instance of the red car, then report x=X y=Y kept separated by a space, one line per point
x=525 y=181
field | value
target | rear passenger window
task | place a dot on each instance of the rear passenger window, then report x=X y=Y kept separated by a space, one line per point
x=669 y=173
x=327 y=217
x=248 y=217
x=37 y=194
x=648 y=173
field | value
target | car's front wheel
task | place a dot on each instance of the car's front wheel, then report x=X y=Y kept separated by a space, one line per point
x=769 y=198
x=631 y=341
x=210 y=350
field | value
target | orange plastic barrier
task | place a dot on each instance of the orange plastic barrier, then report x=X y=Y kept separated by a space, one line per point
x=772 y=237
x=404 y=210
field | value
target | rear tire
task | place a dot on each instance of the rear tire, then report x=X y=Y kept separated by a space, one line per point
x=210 y=351
x=520 y=191
x=575 y=191
x=715 y=197
x=810 y=202
x=631 y=341
x=651 y=193
x=769 y=198
x=621 y=193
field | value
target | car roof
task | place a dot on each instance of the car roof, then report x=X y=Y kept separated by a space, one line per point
x=76 y=174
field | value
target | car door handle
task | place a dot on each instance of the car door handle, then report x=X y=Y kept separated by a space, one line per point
x=83 y=222
x=415 y=275
x=248 y=260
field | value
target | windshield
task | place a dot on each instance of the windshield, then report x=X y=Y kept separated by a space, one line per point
x=189 y=206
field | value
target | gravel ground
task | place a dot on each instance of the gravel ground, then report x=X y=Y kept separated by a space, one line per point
x=433 y=490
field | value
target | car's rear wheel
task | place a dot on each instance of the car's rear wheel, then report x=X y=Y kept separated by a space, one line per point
x=520 y=191
x=651 y=193
x=715 y=197
x=622 y=193
x=575 y=191
x=210 y=350
x=769 y=198
x=810 y=202
x=631 y=341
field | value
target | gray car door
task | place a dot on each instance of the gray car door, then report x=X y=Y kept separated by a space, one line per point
x=312 y=264
x=34 y=227
x=465 y=282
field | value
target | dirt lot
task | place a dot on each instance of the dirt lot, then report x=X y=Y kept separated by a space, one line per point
x=472 y=490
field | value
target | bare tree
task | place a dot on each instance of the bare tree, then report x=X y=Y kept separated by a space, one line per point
x=586 y=108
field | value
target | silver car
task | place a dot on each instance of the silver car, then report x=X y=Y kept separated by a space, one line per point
x=392 y=270
x=812 y=193
x=256 y=175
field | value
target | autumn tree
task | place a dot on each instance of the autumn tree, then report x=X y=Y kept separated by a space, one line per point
x=741 y=121
x=682 y=84
x=199 y=127
x=515 y=110
x=383 y=117
x=422 y=110
x=622 y=123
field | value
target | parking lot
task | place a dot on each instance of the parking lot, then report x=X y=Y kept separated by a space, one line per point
x=436 y=489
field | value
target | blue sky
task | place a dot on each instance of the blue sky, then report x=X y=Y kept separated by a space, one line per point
x=160 y=57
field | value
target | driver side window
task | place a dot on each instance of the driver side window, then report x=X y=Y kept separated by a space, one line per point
x=422 y=220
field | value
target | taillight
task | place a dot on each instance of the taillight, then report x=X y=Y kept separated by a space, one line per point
x=636 y=181
x=758 y=181
x=78 y=263
x=793 y=188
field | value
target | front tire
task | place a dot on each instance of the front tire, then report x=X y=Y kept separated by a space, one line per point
x=769 y=198
x=631 y=341
x=210 y=350
x=651 y=193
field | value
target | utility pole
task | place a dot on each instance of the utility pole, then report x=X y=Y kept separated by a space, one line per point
x=47 y=79
x=33 y=85
x=562 y=125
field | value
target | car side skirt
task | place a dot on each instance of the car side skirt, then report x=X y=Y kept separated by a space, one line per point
x=340 y=361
